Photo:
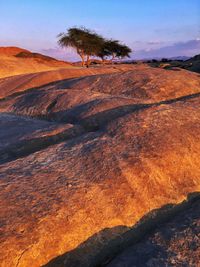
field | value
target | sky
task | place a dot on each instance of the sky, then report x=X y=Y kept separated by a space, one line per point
x=152 y=28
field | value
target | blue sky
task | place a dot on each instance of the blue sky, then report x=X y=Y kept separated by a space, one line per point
x=150 y=27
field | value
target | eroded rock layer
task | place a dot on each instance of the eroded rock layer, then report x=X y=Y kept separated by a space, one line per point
x=99 y=158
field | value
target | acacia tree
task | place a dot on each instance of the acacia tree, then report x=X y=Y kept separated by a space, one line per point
x=107 y=49
x=123 y=51
x=93 y=45
x=86 y=42
x=113 y=49
x=73 y=38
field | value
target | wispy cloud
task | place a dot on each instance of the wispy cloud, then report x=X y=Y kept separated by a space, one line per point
x=154 y=42
x=189 y=48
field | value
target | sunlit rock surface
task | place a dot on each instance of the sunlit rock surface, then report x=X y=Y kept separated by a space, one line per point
x=91 y=153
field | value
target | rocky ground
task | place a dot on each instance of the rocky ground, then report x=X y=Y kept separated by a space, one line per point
x=175 y=243
x=84 y=157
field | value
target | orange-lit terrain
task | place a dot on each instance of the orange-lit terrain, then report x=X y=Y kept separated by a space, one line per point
x=86 y=153
x=14 y=61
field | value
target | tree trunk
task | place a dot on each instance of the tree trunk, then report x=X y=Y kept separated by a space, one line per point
x=83 y=60
x=103 y=62
x=81 y=54
x=113 y=56
x=88 y=61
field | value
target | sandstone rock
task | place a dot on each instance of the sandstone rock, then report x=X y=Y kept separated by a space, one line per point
x=175 y=243
x=122 y=155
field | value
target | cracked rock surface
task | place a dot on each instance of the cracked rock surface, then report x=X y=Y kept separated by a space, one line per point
x=88 y=157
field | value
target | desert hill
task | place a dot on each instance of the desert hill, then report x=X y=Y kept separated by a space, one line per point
x=15 y=61
x=12 y=50
x=83 y=158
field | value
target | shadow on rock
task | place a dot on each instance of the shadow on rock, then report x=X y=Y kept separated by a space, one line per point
x=101 y=248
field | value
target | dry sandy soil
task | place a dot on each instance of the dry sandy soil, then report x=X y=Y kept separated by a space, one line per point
x=85 y=156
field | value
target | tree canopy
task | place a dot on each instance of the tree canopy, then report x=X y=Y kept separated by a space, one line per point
x=88 y=43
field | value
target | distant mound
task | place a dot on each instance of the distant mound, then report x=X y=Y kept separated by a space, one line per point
x=12 y=51
x=15 y=60
x=27 y=54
